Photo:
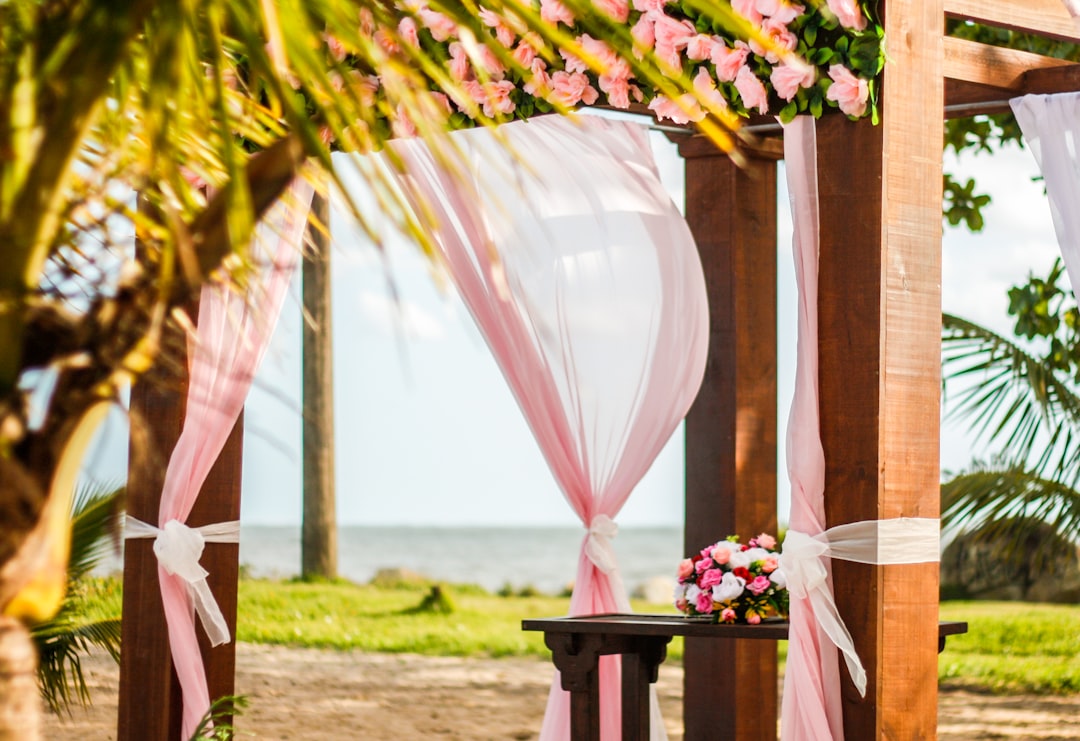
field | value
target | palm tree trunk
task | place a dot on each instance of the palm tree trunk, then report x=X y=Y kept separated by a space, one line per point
x=20 y=711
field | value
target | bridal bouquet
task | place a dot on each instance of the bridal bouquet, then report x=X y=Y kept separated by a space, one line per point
x=733 y=582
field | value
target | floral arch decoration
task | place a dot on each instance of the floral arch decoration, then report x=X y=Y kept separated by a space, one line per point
x=744 y=57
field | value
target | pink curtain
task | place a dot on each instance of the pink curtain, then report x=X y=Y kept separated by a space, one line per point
x=811 y=702
x=234 y=330
x=584 y=280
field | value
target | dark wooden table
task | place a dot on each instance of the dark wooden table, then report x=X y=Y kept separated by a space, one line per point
x=577 y=643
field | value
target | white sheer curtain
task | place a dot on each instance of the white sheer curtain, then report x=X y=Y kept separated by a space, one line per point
x=1051 y=127
x=585 y=282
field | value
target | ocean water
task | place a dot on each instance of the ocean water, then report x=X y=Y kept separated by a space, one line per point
x=544 y=558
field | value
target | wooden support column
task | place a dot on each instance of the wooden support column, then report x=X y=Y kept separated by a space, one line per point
x=879 y=342
x=149 y=704
x=731 y=429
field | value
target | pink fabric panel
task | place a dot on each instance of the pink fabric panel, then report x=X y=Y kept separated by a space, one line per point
x=585 y=282
x=233 y=333
x=811 y=702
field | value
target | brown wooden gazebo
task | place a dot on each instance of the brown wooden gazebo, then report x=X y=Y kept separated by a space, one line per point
x=879 y=344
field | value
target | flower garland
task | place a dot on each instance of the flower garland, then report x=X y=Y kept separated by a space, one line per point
x=818 y=55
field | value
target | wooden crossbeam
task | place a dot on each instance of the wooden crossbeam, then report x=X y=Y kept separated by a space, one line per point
x=980 y=78
x=1043 y=17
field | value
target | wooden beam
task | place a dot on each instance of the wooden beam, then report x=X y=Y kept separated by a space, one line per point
x=1041 y=17
x=879 y=344
x=980 y=78
x=993 y=66
x=731 y=429
x=149 y=703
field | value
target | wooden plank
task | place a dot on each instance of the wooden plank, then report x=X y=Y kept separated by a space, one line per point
x=1042 y=17
x=993 y=66
x=879 y=343
x=731 y=429
x=150 y=704
x=980 y=78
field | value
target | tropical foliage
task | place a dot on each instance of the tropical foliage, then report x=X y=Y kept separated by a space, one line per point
x=64 y=638
x=1020 y=395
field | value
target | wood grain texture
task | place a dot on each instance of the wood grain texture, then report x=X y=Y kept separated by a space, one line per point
x=880 y=313
x=731 y=429
x=993 y=66
x=150 y=705
x=1043 y=17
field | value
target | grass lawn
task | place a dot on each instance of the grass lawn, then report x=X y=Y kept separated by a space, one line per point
x=1010 y=647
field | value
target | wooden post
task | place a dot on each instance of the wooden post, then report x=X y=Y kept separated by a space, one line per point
x=149 y=703
x=731 y=429
x=879 y=342
x=318 y=548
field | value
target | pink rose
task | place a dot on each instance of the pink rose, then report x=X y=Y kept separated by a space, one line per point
x=603 y=54
x=497 y=98
x=700 y=47
x=459 y=62
x=751 y=90
x=336 y=48
x=617 y=90
x=686 y=568
x=753 y=618
x=441 y=27
x=704 y=602
x=502 y=33
x=672 y=36
x=682 y=112
x=402 y=125
x=848 y=13
x=572 y=63
x=553 y=11
x=765 y=540
x=702 y=564
x=386 y=41
x=848 y=91
x=616 y=10
x=491 y=63
x=705 y=87
x=747 y=9
x=770 y=564
x=779 y=10
x=721 y=554
x=759 y=584
x=786 y=80
x=710 y=578
x=636 y=94
x=781 y=40
x=646 y=6
x=728 y=615
x=644 y=33
x=407 y=30
x=729 y=61
x=539 y=83
x=524 y=54
x=570 y=89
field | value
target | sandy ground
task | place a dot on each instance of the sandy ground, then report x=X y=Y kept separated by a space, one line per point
x=312 y=694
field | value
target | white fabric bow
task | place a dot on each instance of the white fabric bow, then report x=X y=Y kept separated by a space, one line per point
x=178 y=549
x=892 y=541
x=598 y=546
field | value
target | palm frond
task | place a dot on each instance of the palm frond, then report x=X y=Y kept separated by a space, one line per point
x=1012 y=398
x=1008 y=504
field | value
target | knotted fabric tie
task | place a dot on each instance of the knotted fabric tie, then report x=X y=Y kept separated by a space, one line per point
x=178 y=549
x=880 y=542
x=598 y=545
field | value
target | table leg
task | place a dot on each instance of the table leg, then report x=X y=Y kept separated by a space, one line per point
x=640 y=668
x=576 y=657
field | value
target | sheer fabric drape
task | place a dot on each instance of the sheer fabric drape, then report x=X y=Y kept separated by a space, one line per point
x=1051 y=128
x=585 y=282
x=233 y=332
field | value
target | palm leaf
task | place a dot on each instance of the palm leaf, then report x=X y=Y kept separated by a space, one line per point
x=1007 y=504
x=63 y=640
x=1011 y=398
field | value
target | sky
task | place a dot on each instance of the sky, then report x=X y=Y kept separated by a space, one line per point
x=427 y=431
